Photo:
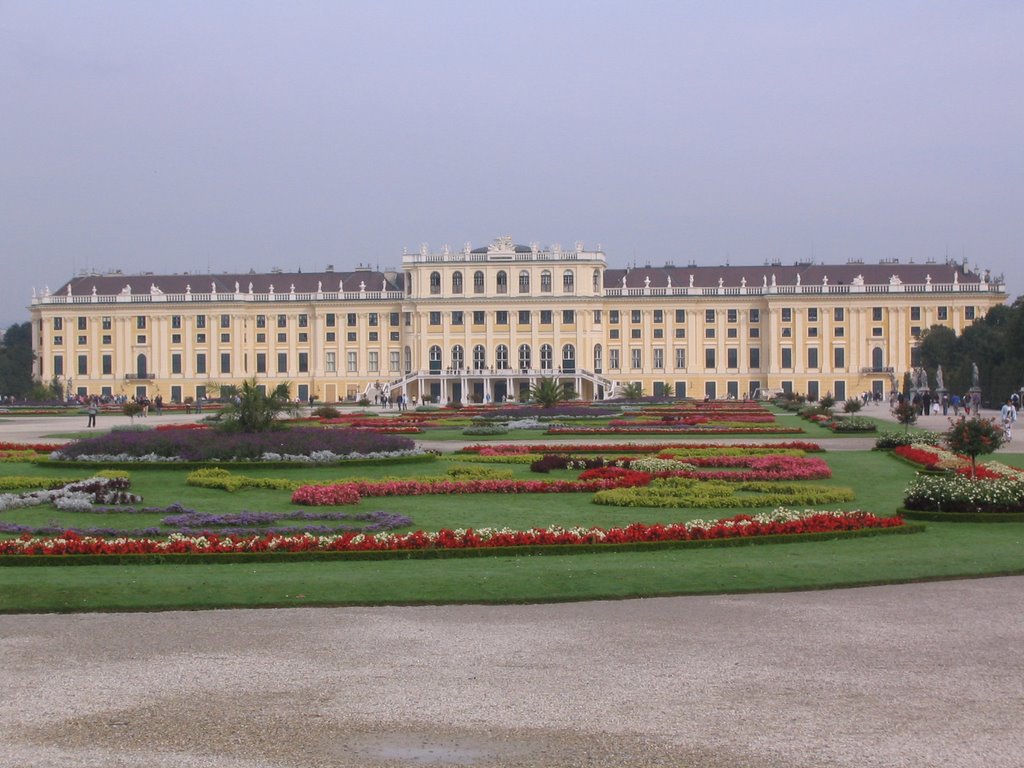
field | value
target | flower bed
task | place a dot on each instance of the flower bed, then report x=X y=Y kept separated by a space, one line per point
x=780 y=522
x=959 y=494
x=690 y=493
x=505 y=449
x=326 y=445
x=662 y=430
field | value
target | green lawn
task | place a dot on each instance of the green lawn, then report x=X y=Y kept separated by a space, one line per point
x=944 y=550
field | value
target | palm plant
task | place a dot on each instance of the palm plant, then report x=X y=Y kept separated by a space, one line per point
x=252 y=409
x=632 y=391
x=549 y=392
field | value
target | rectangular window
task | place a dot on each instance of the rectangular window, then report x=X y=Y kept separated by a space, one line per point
x=261 y=321
x=457 y=318
x=787 y=357
x=709 y=315
x=395 y=335
x=635 y=316
x=732 y=357
x=787 y=333
x=282 y=338
x=350 y=319
x=731 y=315
x=200 y=338
x=479 y=317
x=282 y=362
x=353 y=362
x=839 y=314
x=732 y=333
x=393 y=319
x=876 y=314
x=709 y=358
x=812 y=315
x=374 y=335
x=282 y=321
x=261 y=362
x=597 y=317
x=915 y=314
x=331 y=320
x=568 y=317
x=876 y=331
x=141 y=339
x=107 y=323
x=613 y=359
x=524 y=317
x=351 y=336
x=755 y=358
x=787 y=315
x=545 y=317
x=331 y=336
x=58 y=365
x=812 y=333
x=812 y=357
x=374 y=362
x=659 y=333
x=680 y=315
x=659 y=358
x=755 y=333
x=839 y=332
x=175 y=362
x=200 y=362
x=83 y=365
x=680 y=357
x=968 y=313
x=58 y=323
x=200 y=321
x=394 y=361
x=175 y=321
x=659 y=316
x=635 y=333
x=331 y=362
x=374 y=319
x=83 y=340
x=915 y=331
x=303 y=338
x=680 y=333
x=613 y=316
x=501 y=317
x=140 y=322
x=839 y=358
x=303 y=362
x=225 y=338
x=225 y=321
x=709 y=333
x=107 y=364
x=613 y=333
x=435 y=318
x=943 y=313
x=225 y=362
x=636 y=358
x=755 y=315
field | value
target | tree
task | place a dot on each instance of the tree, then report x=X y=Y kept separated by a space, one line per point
x=549 y=392
x=132 y=409
x=16 y=359
x=906 y=414
x=252 y=409
x=974 y=437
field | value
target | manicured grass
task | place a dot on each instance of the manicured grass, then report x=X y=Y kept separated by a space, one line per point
x=944 y=550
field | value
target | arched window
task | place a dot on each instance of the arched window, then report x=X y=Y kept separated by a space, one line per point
x=435 y=359
x=501 y=357
x=597 y=281
x=478 y=282
x=598 y=358
x=456 y=282
x=408 y=359
x=568 y=281
x=568 y=358
x=524 y=281
x=141 y=369
x=545 y=281
x=877 y=358
x=501 y=280
x=524 y=356
x=479 y=356
x=435 y=283
x=458 y=356
x=546 y=357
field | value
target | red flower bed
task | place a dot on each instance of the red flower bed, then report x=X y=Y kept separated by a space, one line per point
x=746 y=526
x=350 y=493
x=512 y=449
x=37 y=447
x=921 y=457
x=181 y=427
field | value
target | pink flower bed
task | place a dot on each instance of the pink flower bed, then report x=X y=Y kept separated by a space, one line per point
x=513 y=449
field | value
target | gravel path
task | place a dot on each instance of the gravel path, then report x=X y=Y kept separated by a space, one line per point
x=907 y=676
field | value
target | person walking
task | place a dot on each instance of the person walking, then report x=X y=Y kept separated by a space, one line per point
x=1008 y=415
x=92 y=410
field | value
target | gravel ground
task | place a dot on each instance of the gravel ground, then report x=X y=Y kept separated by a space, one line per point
x=895 y=676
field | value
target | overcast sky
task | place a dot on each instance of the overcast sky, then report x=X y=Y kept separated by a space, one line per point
x=223 y=136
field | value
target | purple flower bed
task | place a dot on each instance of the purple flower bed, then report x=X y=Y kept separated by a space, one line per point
x=240 y=446
x=188 y=522
x=557 y=412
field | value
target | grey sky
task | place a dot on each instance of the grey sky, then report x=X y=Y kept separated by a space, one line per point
x=186 y=136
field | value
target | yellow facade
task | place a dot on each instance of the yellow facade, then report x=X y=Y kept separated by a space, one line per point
x=485 y=324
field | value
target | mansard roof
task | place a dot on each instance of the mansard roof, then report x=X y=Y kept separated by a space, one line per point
x=241 y=282
x=797 y=274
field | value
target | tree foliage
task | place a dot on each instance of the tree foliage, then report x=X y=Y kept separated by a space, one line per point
x=974 y=437
x=16 y=358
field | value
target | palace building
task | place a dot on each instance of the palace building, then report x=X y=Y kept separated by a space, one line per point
x=485 y=324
